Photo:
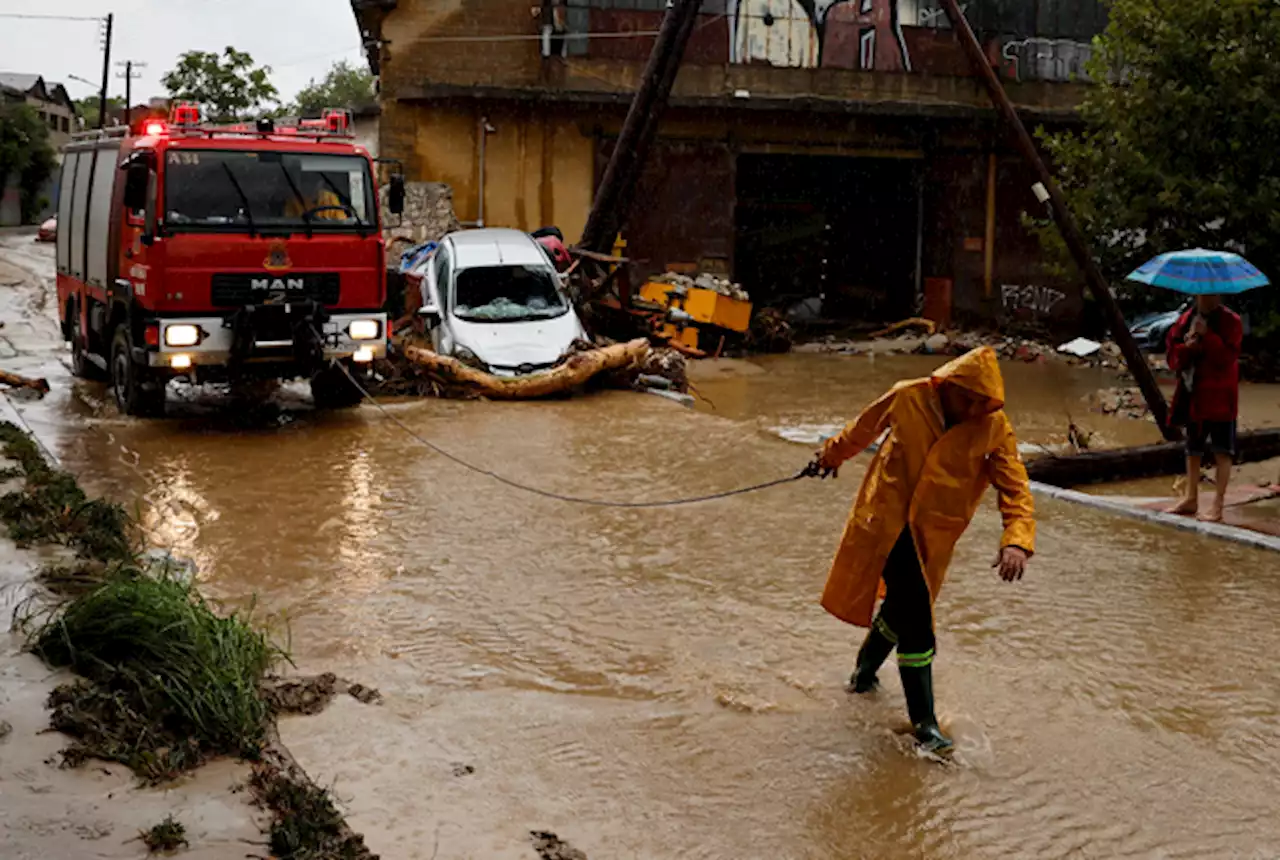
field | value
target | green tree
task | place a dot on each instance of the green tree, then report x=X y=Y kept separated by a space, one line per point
x=226 y=87
x=87 y=109
x=25 y=152
x=345 y=86
x=1178 y=148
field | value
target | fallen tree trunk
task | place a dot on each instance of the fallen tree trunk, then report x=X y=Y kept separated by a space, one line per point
x=577 y=370
x=1146 y=461
x=17 y=381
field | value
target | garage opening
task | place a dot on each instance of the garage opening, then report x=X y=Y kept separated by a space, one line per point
x=839 y=226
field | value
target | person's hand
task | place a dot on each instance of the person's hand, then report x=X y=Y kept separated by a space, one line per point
x=1200 y=327
x=818 y=468
x=1011 y=563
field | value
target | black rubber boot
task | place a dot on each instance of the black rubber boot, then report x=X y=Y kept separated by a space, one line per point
x=917 y=684
x=871 y=656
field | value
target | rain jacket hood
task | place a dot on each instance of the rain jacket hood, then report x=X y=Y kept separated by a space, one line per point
x=977 y=371
x=928 y=477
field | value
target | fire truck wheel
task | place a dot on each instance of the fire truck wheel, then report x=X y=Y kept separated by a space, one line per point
x=81 y=366
x=135 y=393
x=331 y=389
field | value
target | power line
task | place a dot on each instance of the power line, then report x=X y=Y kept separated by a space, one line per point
x=26 y=17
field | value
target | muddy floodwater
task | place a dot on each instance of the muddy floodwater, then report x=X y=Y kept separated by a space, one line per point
x=662 y=683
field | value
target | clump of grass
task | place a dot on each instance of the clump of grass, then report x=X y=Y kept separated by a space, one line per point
x=52 y=508
x=306 y=825
x=166 y=837
x=171 y=682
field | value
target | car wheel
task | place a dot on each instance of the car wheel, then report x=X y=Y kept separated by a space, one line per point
x=136 y=393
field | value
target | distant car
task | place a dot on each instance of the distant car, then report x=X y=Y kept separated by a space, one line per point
x=493 y=299
x=48 y=231
x=1151 y=331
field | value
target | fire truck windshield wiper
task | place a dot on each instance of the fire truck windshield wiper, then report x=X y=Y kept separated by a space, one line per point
x=248 y=210
x=302 y=201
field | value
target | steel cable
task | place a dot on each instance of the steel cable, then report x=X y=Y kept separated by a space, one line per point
x=548 y=494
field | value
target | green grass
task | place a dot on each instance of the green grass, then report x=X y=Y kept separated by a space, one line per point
x=166 y=837
x=52 y=508
x=307 y=826
x=173 y=682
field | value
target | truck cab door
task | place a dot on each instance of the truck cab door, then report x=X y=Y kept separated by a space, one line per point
x=138 y=226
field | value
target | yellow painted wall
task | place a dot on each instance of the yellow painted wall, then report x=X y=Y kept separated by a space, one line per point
x=539 y=167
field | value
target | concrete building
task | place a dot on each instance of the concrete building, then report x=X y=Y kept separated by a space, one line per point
x=811 y=147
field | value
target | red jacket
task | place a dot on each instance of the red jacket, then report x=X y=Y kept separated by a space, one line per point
x=1215 y=394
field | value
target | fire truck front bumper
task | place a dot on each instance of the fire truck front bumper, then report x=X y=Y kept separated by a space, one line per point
x=195 y=341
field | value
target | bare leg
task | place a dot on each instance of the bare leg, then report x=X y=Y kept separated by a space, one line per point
x=1191 y=495
x=1221 y=479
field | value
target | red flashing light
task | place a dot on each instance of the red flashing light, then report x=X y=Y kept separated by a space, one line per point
x=186 y=113
x=151 y=335
x=154 y=128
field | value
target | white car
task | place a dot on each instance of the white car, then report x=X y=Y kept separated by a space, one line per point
x=493 y=299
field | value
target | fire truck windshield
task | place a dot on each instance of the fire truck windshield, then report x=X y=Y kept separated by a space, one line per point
x=234 y=191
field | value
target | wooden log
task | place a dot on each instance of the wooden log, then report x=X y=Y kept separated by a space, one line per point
x=1146 y=461
x=577 y=370
x=17 y=381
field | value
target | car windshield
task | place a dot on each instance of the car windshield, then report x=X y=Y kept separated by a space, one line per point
x=507 y=294
x=247 y=190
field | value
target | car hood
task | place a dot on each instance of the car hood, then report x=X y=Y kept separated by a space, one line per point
x=509 y=345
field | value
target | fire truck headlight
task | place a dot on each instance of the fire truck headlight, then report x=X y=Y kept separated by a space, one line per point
x=180 y=362
x=363 y=355
x=181 y=335
x=364 y=329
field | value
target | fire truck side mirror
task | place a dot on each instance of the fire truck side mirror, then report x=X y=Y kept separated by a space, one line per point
x=395 y=196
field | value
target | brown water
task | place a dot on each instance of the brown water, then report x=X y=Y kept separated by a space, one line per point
x=663 y=684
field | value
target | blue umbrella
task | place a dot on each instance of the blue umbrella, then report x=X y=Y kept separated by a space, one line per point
x=1198 y=272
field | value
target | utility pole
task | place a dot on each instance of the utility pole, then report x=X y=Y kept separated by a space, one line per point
x=1047 y=191
x=106 y=71
x=608 y=210
x=129 y=78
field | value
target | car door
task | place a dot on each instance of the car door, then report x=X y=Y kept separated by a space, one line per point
x=438 y=276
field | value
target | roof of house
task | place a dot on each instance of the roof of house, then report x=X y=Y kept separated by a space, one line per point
x=19 y=81
x=37 y=87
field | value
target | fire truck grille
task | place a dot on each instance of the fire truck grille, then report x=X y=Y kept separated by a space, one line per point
x=237 y=290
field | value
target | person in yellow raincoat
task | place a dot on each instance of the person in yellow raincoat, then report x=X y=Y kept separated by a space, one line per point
x=948 y=438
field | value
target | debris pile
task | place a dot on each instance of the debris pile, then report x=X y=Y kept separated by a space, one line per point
x=1123 y=402
x=722 y=286
x=769 y=332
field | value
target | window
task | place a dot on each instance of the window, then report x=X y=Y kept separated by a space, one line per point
x=65 y=124
x=234 y=190
x=867 y=48
x=52 y=121
x=507 y=294
x=441 y=264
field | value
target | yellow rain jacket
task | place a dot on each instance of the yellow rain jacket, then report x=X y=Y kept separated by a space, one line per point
x=927 y=476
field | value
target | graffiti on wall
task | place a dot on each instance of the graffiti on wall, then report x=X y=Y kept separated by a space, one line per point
x=1056 y=60
x=842 y=34
x=1039 y=301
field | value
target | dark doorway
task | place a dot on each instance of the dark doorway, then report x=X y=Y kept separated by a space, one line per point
x=840 y=226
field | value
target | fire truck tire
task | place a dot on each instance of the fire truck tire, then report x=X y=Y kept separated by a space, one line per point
x=331 y=389
x=81 y=366
x=135 y=393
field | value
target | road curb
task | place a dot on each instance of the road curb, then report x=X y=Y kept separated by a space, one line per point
x=1188 y=524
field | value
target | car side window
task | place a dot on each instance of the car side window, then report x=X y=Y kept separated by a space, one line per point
x=441 y=264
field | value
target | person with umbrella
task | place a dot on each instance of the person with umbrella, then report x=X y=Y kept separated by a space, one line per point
x=1204 y=351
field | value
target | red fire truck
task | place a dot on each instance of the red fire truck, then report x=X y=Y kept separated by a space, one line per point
x=220 y=253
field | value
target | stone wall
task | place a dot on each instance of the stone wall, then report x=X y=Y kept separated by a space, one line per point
x=428 y=215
